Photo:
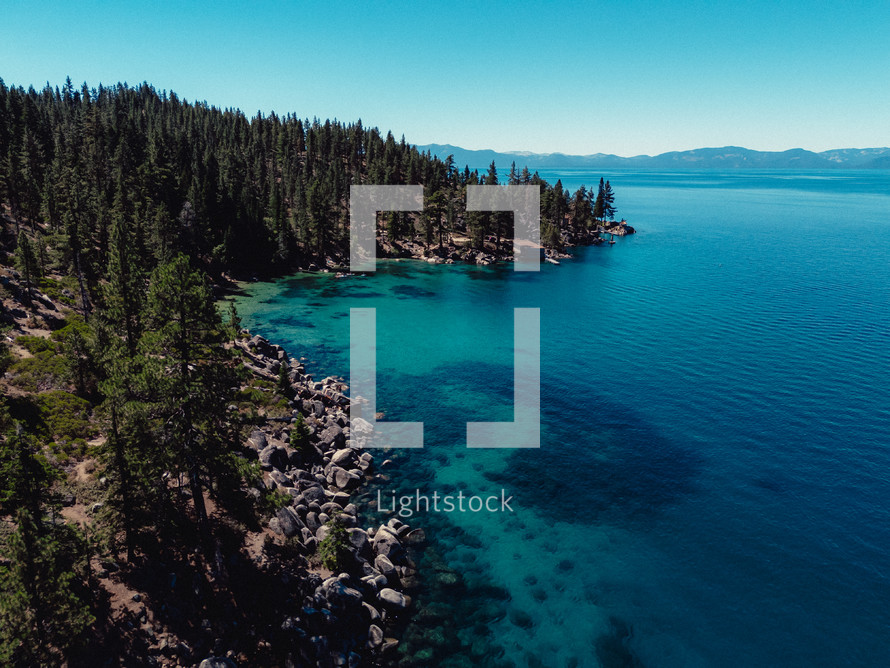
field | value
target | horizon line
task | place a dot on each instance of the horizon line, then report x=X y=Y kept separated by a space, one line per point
x=526 y=153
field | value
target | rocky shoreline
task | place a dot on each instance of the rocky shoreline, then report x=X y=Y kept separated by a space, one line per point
x=348 y=618
x=457 y=250
x=355 y=617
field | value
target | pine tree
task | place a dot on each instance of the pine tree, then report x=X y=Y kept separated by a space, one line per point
x=391 y=228
x=118 y=451
x=436 y=209
x=26 y=263
x=192 y=375
x=599 y=203
x=284 y=385
x=24 y=474
x=581 y=211
x=234 y=320
x=78 y=352
x=125 y=288
x=608 y=202
x=513 y=176
x=43 y=608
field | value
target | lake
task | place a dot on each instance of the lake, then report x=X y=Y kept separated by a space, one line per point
x=713 y=482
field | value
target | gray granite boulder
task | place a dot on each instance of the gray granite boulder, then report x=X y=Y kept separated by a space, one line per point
x=217 y=662
x=288 y=522
x=257 y=440
x=273 y=457
x=333 y=437
x=359 y=541
x=393 y=599
x=388 y=544
x=345 y=457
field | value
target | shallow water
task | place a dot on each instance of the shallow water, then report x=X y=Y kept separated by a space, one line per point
x=714 y=478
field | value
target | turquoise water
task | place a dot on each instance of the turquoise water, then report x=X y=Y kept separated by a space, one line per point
x=713 y=486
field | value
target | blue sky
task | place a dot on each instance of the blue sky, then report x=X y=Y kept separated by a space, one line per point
x=613 y=77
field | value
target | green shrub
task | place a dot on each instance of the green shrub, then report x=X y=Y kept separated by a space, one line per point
x=251 y=473
x=56 y=290
x=275 y=499
x=36 y=344
x=66 y=417
x=299 y=435
x=333 y=551
x=253 y=395
x=73 y=322
x=45 y=369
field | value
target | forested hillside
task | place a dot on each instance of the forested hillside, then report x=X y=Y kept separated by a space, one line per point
x=144 y=441
x=263 y=193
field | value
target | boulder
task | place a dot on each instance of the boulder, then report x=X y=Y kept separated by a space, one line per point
x=375 y=636
x=313 y=492
x=415 y=537
x=280 y=479
x=342 y=478
x=273 y=457
x=361 y=426
x=329 y=508
x=371 y=612
x=365 y=461
x=288 y=522
x=312 y=522
x=387 y=544
x=384 y=565
x=217 y=662
x=342 y=500
x=340 y=597
x=393 y=599
x=257 y=440
x=300 y=474
x=359 y=541
x=389 y=645
x=333 y=437
x=344 y=457
x=398 y=526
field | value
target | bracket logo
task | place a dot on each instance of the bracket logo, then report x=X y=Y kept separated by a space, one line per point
x=525 y=429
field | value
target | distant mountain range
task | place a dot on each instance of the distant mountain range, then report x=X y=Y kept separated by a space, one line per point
x=728 y=157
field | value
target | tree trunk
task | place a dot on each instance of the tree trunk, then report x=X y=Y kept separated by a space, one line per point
x=126 y=500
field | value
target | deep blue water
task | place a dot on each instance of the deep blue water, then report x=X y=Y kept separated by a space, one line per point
x=713 y=486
